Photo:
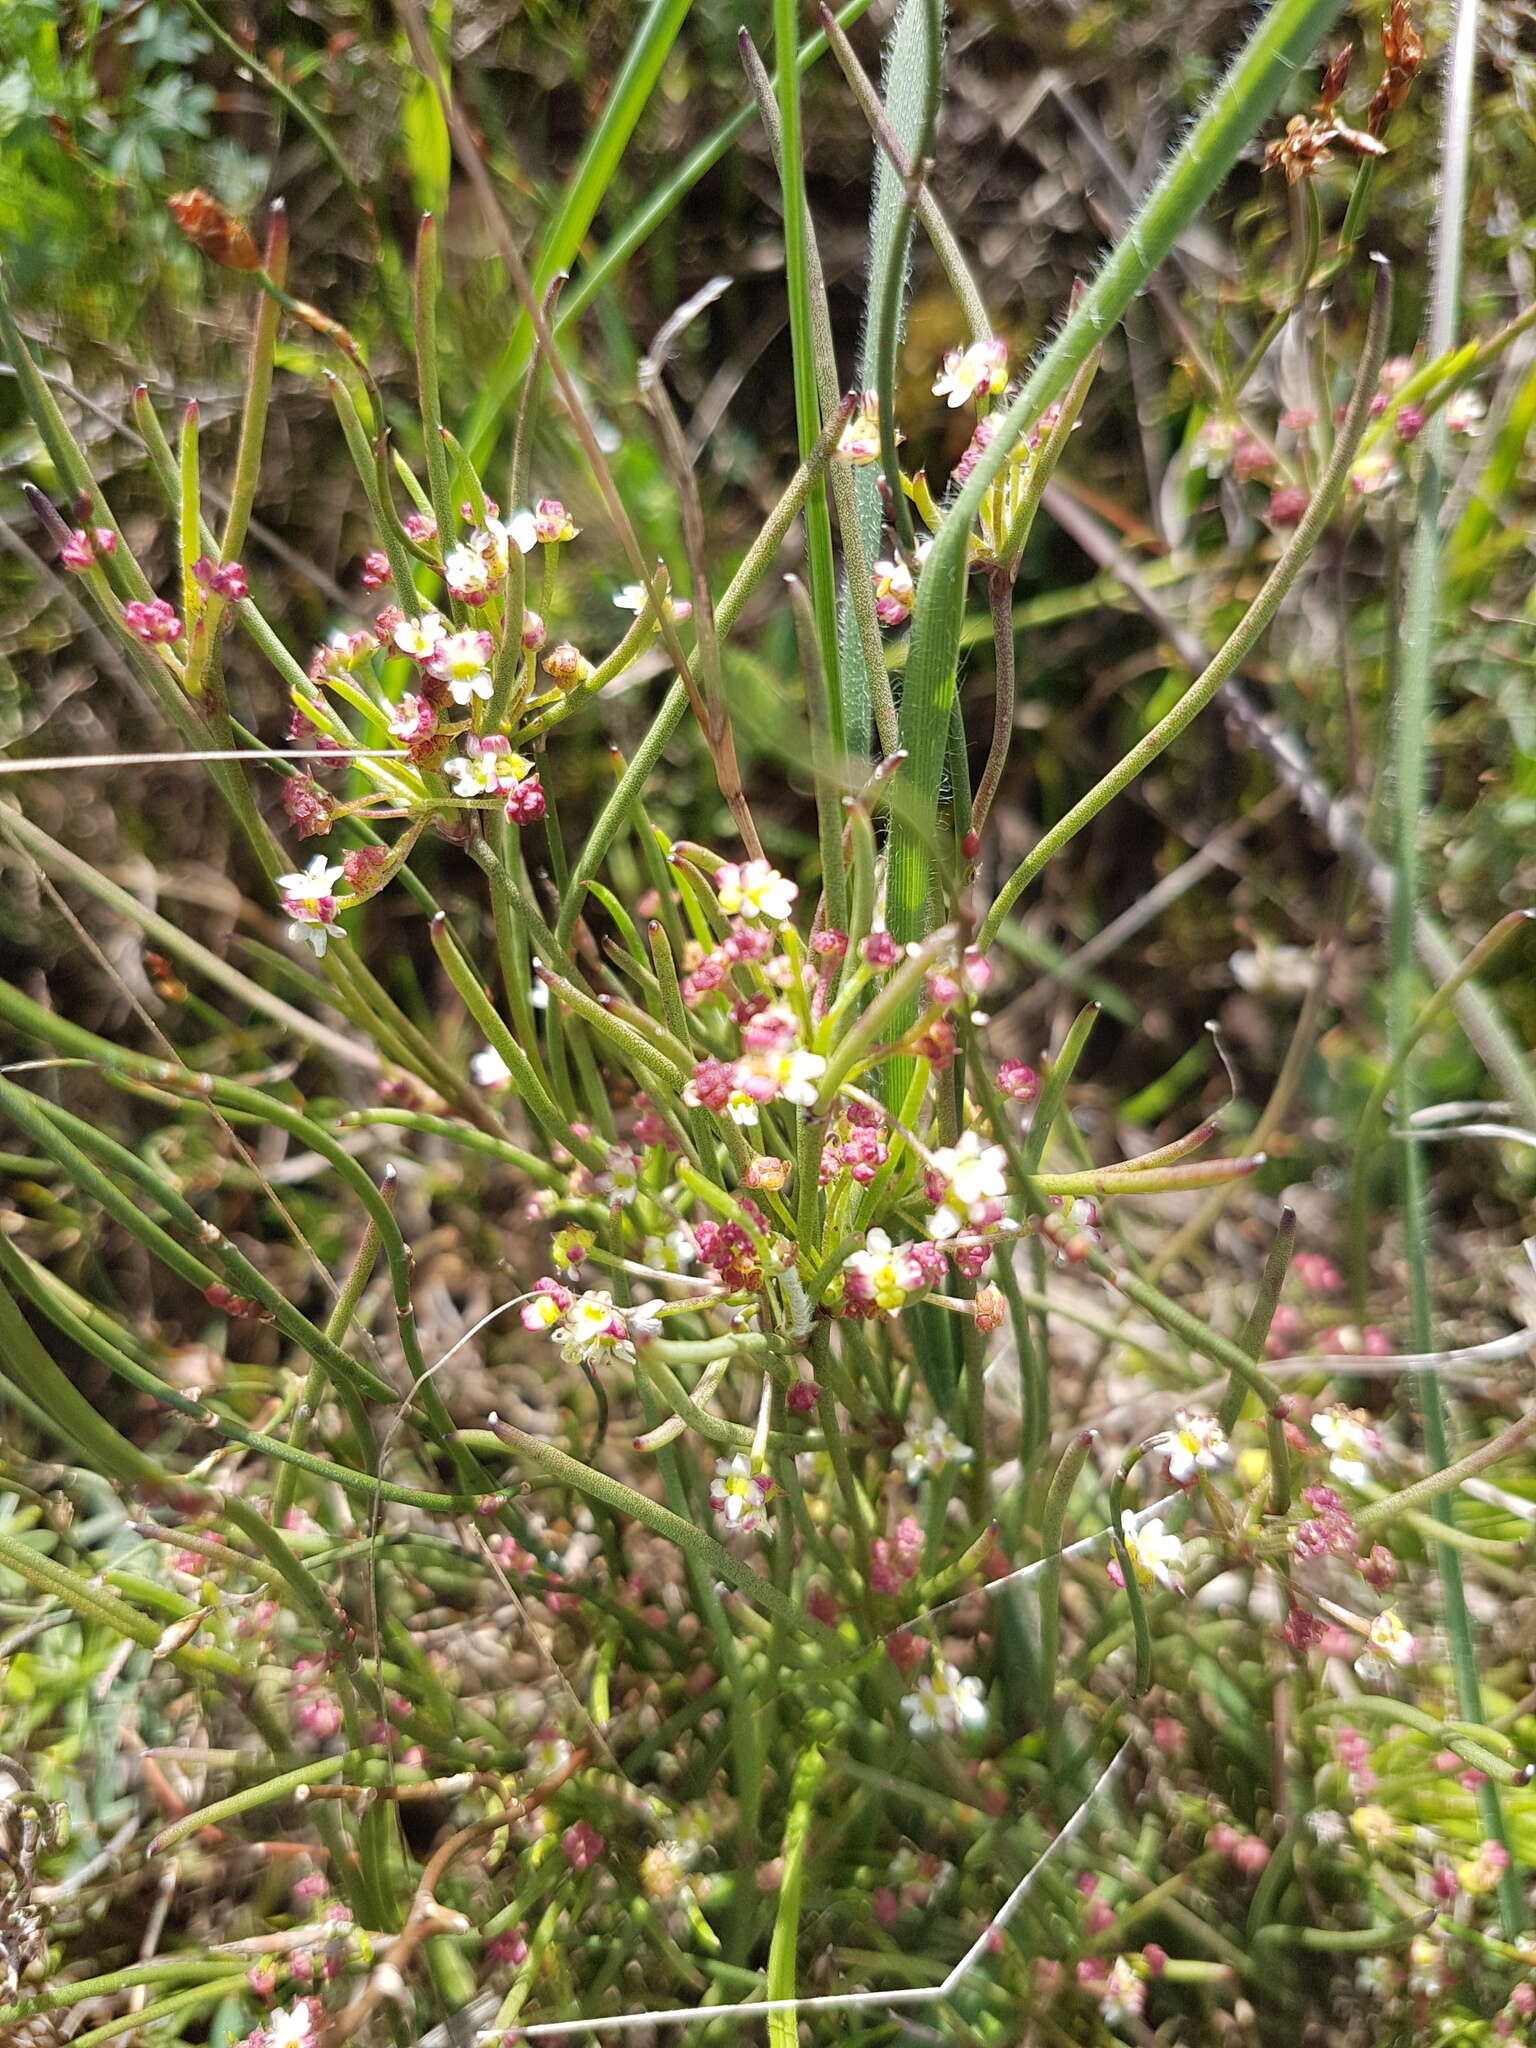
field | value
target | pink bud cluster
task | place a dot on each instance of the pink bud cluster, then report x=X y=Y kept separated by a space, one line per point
x=154 y=622
x=1329 y=1531
x=1245 y=1852
x=895 y=1559
x=223 y=579
x=857 y=1147
x=316 y=1709
x=727 y=1250
x=81 y=549
x=1354 y=1753
x=310 y=809
x=582 y=1845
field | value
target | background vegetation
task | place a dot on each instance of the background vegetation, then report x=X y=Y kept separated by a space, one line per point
x=1227 y=915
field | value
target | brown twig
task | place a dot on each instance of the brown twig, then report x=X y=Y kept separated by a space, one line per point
x=426 y=1917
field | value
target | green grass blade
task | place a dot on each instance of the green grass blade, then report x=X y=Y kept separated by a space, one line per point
x=1420 y=645
x=908 y=66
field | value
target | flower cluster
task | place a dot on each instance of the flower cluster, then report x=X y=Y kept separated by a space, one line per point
x=589 y=1328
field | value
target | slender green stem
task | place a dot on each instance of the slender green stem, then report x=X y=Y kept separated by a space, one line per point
x=1052 y=1525
x=1419 y=650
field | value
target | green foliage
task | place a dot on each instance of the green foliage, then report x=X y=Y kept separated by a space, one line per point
x=565 y=1384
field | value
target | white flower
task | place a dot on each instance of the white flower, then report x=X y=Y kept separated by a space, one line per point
x=1283 y=973
x=293 y=2026
x=753 y=889
x=860 y=439
x=461 y=660
x=883 y=1274
x=593 y=1329
x=741 y=1108
x=739 y=1496
x=469 y=574
x=644 y=1318
x=974 y=1175
x=1346 y=1434
x=410 y=717
x=311 y=887
x=419 y=637
x=931 y=1447
x=1326 y=1826
x=945 y=1703
x=1196 y=1443
x=674 y=1253
x=1213 y=445
x=547 y=1756
x=485 y=772
x=1373 y=473
x=308 y=900
x=522 y=529
x=1156 y=1554
x=1425 y=1960
x=805 y=1070
x=1376 y=1976
x=981 y=369
x=1124 y=1996
x=488 y=1069
x=1388 y=1638
x=1464 y=413
x=473 y=775
x=621 y=1182
x=634 y=597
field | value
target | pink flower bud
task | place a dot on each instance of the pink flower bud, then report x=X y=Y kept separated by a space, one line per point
x=1018 y=1082
x=990 y=1309
x=526 y=802
x=904 y=1649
